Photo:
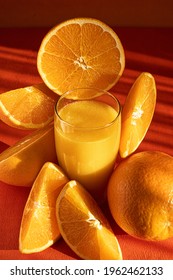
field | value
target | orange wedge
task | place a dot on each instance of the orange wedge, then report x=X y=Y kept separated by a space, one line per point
x=31 y=107
x=80 y=52
x=39 y=228
x=137 y=113
x=20 y=163
x=83 y=226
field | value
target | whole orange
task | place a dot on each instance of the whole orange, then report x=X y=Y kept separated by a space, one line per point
x=140 y=195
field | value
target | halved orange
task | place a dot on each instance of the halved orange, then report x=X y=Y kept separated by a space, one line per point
x=83 y=225
x=20 y=163
x=39 y=228
x=137 y=113
x=80 y=52
x=30 y=107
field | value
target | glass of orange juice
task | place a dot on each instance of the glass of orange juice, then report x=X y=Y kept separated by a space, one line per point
x=87 y=136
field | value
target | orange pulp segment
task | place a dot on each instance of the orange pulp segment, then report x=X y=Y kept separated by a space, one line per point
x=30 y=107
x=79 y=53
x=20 y=163
x=137 y=113
x=39 y=228
x=83 y=225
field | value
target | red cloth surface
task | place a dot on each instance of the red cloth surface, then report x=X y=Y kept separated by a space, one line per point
x=146 y=49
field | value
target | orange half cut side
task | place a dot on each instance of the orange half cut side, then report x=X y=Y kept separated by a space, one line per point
x=80 y=53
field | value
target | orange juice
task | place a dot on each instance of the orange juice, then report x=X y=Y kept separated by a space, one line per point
x=87 y=135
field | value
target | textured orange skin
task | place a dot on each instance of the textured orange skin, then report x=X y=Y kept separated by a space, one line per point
x=140 y=195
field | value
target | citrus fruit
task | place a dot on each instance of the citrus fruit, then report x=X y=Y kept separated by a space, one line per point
x=78 y=53
x=140 y=195
x=137 y=113
x=83 y=226
x=30 y=107
x=20 y=163
x=39 y=228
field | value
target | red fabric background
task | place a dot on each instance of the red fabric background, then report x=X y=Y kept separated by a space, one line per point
x=146 y=49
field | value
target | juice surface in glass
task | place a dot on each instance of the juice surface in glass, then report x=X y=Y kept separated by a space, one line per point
x=87 y=135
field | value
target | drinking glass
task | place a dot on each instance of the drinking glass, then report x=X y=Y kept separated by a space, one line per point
x=87 y=135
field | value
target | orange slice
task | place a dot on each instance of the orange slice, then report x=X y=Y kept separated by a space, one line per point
x=31 y=107
x=83 y=226
x=20 y=163
x=39 y=228
x=80 y=52
x=137 y=113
